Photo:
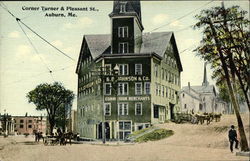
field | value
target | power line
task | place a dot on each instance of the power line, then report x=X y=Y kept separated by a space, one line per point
x=45 y=40
x=182 y=16
x=45 y=64
x=34 y=47
x=19 y=20
x=173 y=22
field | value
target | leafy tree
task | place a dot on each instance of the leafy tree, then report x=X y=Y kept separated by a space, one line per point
x=225 y=45
x=50 y=97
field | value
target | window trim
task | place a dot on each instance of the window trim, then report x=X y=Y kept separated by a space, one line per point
x=123 y=7
x=140 y=72
x=106 y=88
x=122 y=72
x=136 y=92
x=122 y=113
x=123 y=93
x=123 y=47
x=136 y=108
x=156 y=70
x=121 y=31
x=145 y=89
x=106 y=108
x=106 y=71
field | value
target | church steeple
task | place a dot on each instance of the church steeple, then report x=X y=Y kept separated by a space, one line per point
x=126 y=23
x=205 y=82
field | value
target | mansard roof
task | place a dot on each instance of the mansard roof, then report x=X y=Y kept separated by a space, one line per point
x=131 y=7
x=151 y=43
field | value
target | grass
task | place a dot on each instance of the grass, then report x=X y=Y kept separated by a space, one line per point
x=155 y=135
x=138 y=132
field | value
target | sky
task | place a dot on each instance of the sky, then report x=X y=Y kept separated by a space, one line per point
x=23 y=67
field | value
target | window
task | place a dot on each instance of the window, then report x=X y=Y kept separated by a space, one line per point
x=138 y=69
x=123 y=47
x=156 y=89
x=123 y=89
x=21 y=121
x=124 y=129
x=200 y=107
x=162 y=73
x=138 y=109
x=163 y=91
x=159 y=88
x=123 y=31
x=156 y=112
x=147 y=87
x=156 y=70
x=185 y=106
x=122 y=7
x=21 y=126
x=107 y=88
x=138 y=88
x=29 y=126
x=108 y=69
x=166 y=91
x=123 y=69
x=122 y=109
x=107 y=109
x=30 y=121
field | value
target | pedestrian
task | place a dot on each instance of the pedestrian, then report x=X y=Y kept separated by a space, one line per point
x=232 y=135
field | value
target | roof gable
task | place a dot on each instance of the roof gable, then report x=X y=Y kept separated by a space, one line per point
x=96 y=44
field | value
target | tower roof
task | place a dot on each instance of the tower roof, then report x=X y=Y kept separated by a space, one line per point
x=132 y=8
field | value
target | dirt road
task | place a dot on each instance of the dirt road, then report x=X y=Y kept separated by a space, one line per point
x=190 y=142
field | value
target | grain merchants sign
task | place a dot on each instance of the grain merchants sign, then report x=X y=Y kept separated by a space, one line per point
x=142 y=98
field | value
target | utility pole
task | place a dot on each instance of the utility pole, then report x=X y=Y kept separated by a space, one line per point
x=222 y=58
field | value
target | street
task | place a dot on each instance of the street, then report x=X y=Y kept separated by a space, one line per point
x=190 y=142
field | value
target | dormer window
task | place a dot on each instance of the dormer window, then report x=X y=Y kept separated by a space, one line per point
x=123 y=31
x=123 y=47
x=122 y=7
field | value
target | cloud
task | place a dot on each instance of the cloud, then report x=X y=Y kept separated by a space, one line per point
x=14 y=34
x=23 y=51
x=176 y=24
x=159 y=19
x=26 y=53
x=80 y=23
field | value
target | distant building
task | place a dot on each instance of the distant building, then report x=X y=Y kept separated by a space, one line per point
x=29 y=124
x=201 y=98
x=72 y=120
x=145 y=90
x=6 y=124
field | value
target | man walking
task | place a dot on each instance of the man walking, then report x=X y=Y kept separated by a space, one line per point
x=232 y=135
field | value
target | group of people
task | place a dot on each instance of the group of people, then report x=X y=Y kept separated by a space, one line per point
x=39 y=135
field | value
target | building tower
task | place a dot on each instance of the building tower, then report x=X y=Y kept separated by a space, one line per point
x=126 y=27
x=205 y=82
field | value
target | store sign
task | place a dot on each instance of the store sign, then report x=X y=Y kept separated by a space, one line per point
x=128 y=78
x=91 y=84
x=146 y=98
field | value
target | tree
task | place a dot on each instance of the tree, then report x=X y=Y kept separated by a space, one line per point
x=225 y=45
x=50 y=97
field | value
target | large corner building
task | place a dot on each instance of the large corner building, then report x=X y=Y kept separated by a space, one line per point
x=145 y=90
